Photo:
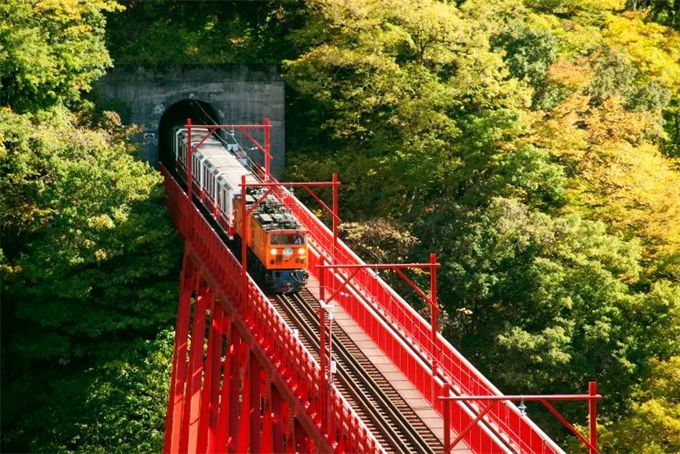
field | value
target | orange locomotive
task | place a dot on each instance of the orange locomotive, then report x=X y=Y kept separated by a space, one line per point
x=274 y=236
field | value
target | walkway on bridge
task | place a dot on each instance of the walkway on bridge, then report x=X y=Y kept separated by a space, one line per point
x=243 y=382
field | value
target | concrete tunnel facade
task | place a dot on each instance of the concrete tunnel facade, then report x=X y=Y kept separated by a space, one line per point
x=159 y=99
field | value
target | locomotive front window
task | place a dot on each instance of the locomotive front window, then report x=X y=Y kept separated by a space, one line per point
x=286 y=239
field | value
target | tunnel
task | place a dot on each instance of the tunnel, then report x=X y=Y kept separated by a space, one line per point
x=176 y=115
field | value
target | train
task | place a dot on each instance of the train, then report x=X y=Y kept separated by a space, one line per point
x=276 y=240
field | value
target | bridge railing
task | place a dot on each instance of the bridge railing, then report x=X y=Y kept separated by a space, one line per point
x=406 y=339
x=292 y=359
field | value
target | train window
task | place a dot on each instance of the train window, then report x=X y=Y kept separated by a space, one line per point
x=282 y=239
x=222 y=196
x=183 y=154
x=196 y=167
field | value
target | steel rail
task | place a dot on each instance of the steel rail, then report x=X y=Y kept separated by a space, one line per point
x=364 y=387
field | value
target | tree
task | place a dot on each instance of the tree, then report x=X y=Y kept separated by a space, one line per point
x=616 y=172
x=89 y=270
x=545 y=304
x=166 y=32
x=116 y=407
x=51 y=52
x=395 y=83
x=653 y=427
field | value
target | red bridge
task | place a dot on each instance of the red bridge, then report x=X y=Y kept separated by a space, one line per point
x=243 y=380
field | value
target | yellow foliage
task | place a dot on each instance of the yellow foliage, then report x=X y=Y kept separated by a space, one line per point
x=654 y=425
x=100 y=255
x=576 y=75
x=630 y=183
x=652 y=48
x=615 y=174
x=569 y=7
x=101 y=222
x=560 y=131
x=637 y=189
x=603 y=5
x=65 y=11
x=611 y=122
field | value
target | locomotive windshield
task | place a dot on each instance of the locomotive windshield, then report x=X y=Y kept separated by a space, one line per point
x=286 y=239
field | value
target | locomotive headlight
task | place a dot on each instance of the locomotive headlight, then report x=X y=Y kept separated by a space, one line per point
x=288 y=252
x=274 y=251
x=301 y=251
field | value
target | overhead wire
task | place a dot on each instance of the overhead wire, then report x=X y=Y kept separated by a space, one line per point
x=219 y=137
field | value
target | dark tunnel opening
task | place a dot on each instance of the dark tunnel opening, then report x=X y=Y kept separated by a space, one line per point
x=176 y=115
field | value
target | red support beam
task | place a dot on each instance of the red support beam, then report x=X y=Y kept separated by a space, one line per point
x=592 y=397
x=192 y=402
x=323 y=386
x=302 y=440
x=267 y=148
x=173 y=422
x=255 y=398
x=447 y=420
x=335 y=215
x=244 y=245
x=267 y=445
x=569 y=426
x=245 y=427
x=289 y=416
x=592 y=416
x=213 y=375
x=278 y=421
x=225 y=397
x=209 y=377
x=235 y=363
x=434 y=316
x=190 y=180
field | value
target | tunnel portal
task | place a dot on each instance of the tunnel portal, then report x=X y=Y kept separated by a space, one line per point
x=175 y=116
x=159 y=99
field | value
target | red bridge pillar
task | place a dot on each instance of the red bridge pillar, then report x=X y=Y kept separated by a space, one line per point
x=222 y=399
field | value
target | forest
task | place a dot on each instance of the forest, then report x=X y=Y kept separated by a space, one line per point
x=533 y=145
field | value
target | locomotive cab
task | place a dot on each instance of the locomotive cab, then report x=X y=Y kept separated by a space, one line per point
x=287 y=259
x=288 y=248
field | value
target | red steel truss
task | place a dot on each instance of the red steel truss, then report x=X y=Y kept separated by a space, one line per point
x=406 y=338
x=430 y=298
x=592 y=397
x=242 y=382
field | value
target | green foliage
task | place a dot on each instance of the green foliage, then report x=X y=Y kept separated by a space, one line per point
x=163 y=32
x=117 y=406
x=576 y=7
x=526 y=142
x=90 y=260
x=653 y=427
x=547 y=304
x=402 y=87
x=51 y=51
x=663 y=12
x=379 y=240
x=529 y=52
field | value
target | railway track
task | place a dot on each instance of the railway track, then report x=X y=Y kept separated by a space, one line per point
x=386 y=414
